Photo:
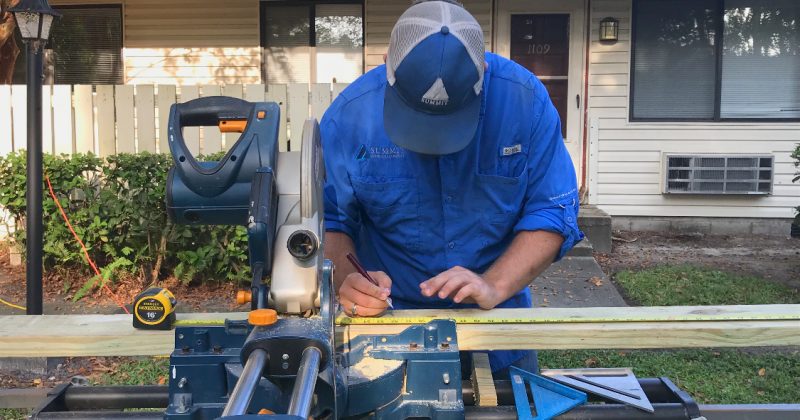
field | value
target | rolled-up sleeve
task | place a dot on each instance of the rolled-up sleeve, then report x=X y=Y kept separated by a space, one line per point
x=341 y=212
x=551 y=198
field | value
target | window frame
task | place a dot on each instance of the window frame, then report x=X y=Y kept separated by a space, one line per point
x=719 y=29
x=312 y=33
x=47 y=46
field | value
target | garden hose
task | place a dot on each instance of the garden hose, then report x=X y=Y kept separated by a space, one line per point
x=4 y=302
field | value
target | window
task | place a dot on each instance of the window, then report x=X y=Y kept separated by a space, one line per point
x=297 y=51
x=712 y=60
x=85 y=47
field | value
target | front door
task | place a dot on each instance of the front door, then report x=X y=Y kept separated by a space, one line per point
x=547 y=37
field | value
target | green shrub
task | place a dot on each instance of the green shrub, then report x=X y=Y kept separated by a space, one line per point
x=117 y=207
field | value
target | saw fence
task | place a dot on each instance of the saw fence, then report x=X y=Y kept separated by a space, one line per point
x=499 y=329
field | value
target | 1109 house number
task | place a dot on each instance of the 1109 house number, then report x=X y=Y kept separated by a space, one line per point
x=538 y=49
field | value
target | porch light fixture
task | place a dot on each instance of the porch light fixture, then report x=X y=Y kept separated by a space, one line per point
x=609 y=30
x=34 y=18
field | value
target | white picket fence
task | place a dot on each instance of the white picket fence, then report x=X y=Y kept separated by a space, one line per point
x=110 y=119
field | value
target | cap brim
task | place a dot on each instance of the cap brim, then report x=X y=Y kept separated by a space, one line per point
x=430 y=134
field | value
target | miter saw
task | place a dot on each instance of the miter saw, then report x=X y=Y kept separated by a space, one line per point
x=285 y=361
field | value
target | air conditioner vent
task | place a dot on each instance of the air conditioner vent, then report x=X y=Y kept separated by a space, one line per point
x=718 y=174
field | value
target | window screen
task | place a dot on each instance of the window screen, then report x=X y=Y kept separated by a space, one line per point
x=338 y=35
x=716 y=60
x=761 y=59
x=316 y=43
x=674 y=59
x=286 y=45
x=85 y=47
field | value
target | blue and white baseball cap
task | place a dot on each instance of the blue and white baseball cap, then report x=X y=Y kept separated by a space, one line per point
x=435 y=70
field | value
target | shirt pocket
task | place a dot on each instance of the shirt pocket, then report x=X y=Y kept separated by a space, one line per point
x=499 y=199
x=392 y=207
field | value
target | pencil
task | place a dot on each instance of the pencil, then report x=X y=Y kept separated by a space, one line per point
x=363 y=272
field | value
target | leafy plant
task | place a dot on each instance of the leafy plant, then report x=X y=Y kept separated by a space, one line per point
x=117 y=207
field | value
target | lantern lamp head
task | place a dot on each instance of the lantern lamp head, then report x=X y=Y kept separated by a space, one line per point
x=34 y=18
x=609 y=30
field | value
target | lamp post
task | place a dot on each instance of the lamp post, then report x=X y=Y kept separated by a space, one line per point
x=34 y=18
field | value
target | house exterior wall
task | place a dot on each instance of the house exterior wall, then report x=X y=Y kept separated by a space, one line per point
x=626 y=158
x=382 y=14
x=188 y=42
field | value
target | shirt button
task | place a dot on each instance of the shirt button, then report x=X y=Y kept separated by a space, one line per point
x=451 y=245
x=449 y=199
x=569 y=219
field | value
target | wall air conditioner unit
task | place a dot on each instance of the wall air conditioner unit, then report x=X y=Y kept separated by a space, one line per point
x=718 y=174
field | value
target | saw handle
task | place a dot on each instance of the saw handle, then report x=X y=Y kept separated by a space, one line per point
x=210 y=110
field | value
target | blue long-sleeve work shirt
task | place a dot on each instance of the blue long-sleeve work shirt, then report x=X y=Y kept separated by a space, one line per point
x=414 y=216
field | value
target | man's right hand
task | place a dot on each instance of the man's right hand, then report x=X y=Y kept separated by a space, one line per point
x=359 y=297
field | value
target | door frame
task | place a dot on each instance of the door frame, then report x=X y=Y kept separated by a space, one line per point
x=577 y=9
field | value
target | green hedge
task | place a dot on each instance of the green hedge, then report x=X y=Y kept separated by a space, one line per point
x=117 y=207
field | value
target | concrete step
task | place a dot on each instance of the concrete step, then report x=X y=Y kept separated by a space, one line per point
x=582 y=249
x=575 y=282
x=596 y=225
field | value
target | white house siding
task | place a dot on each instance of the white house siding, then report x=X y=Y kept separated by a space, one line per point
x=381 y=16
x=188 y=42
x=626 y=158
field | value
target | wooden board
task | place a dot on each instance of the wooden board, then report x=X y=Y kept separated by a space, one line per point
x=210 y=137
x=298 y=113
x=113 y=335
x=106 y=129
x=123 y=101
x=277 y=94
x=62 y=119
x=166 y=97
x=483 y=381
x=320 y=99
x=19 y=103
x=47 y=119
x=6 y=132
x=191 y=135
x=338 y=88
x=83 y=98
x=254 y=93
x=145 y=118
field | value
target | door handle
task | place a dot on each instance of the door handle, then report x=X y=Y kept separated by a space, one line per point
x=578 y=101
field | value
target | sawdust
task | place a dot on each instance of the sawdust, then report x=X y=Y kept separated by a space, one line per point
x=369 y=368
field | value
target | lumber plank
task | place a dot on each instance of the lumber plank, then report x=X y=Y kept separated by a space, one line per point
x=113 y=335
x=483 y=381
x=145 y=105
x=83 y=96
x=605 y=314
x=126 y=123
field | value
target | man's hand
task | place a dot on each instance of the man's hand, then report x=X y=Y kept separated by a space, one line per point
x=359 y=297
x=462 y=285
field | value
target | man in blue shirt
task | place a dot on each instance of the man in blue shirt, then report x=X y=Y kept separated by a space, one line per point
x=446 y=174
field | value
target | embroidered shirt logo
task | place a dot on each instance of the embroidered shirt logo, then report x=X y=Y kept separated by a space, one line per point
x=437 y=94
x=379 y=152
x=511 y=150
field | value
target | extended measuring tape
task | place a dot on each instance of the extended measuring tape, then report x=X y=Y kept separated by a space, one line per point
x=388 y=319
x=497 y=317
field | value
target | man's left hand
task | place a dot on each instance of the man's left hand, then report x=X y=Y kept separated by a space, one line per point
x=462 y=285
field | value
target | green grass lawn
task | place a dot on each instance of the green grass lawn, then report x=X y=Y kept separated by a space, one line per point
x=687 y=285
x=729 y=376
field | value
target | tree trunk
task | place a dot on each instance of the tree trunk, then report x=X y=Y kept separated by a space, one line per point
x=8 y=45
